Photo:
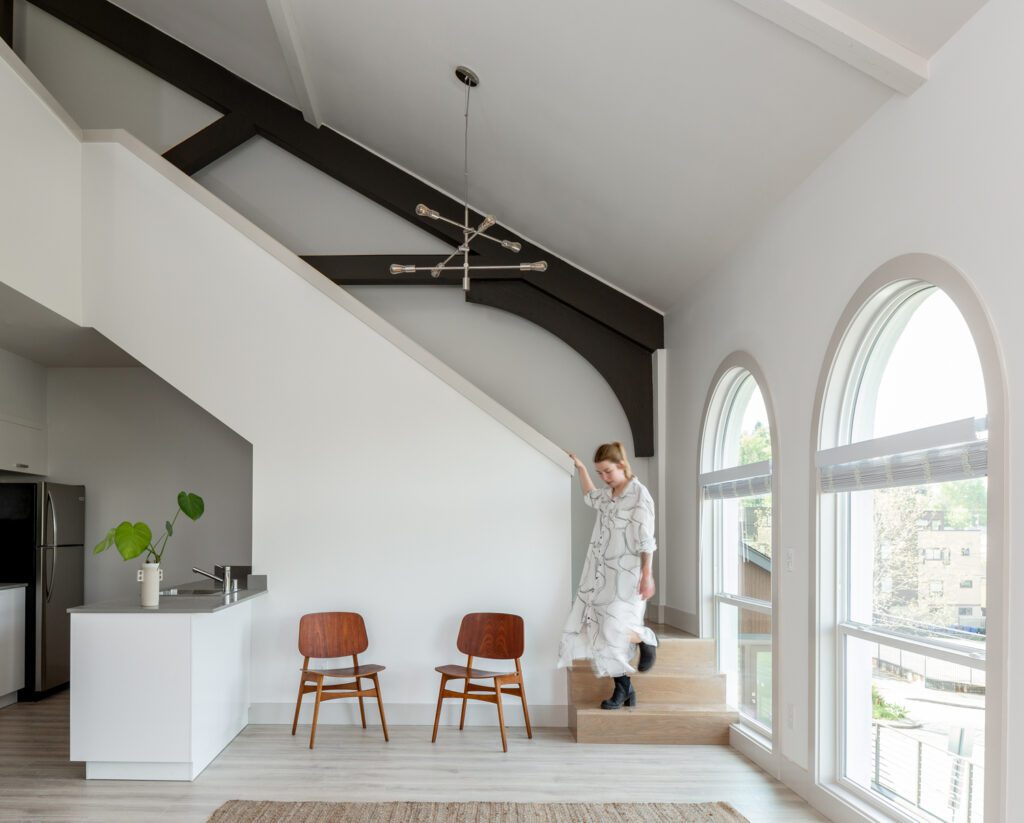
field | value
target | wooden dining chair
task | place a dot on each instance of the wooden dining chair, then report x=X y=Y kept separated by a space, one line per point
x=326 y=635
x=494 y=637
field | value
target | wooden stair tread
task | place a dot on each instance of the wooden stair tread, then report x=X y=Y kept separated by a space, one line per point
x=662 y=708
x=657 y=671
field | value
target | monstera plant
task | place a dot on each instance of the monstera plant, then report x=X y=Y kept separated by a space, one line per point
x=133 y=539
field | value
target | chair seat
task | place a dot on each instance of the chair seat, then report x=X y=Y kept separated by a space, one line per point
x=362 y=670
x=460 y=671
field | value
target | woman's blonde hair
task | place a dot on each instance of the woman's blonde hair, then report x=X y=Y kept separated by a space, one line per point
x=614 y=452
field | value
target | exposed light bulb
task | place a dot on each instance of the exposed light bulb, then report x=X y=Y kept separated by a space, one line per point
x=511 y=245
x=426 y=211
x=435 y=272
x=538 y=266
x=396 y=269
x=488 y=222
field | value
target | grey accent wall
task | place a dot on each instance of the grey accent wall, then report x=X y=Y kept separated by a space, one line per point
x=135 y=442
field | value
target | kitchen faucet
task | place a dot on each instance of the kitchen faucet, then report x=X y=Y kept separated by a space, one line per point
x=225 y=581
x=207 y=574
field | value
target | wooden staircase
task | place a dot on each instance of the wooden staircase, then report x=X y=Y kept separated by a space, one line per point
x=681 y=701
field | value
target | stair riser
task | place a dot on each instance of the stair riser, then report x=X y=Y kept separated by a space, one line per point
x=697 y=654
x=585 y=689
x=617 y=727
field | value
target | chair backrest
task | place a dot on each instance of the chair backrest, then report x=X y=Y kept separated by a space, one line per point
x=332 y=634
x=492 y=635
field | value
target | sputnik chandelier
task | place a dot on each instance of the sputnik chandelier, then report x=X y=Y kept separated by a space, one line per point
x=469 y=234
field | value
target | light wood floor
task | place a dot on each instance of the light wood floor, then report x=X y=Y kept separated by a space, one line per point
x=265 y=762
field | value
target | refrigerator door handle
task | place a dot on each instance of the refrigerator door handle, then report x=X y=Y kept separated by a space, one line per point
x=48 y=582
x=53 y=516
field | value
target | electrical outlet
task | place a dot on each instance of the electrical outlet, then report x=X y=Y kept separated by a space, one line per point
x=790 y=715
x=790 y=560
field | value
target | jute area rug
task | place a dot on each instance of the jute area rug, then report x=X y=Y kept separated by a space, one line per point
x=266 y=811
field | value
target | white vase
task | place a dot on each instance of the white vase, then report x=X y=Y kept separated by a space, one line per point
x=150 y=576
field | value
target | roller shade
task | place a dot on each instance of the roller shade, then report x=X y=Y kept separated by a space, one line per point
x=751 y=480
x=959 y=461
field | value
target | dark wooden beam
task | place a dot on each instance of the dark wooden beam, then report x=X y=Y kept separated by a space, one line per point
x=212 y=143
x=342 y=159
x=613 y=331
x=7 y=22
x=625 y=365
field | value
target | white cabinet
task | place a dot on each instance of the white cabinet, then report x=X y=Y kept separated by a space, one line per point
x=12 y=644
x=189 y=692
x=22 y=415
x=22 y=448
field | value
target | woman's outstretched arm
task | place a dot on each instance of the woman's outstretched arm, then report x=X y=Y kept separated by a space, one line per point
x=586 y=484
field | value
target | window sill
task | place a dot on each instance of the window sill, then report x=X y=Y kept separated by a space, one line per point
x=864 y=809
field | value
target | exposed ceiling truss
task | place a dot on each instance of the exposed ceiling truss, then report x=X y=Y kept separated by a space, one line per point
x=847 y=39
x=614 y=332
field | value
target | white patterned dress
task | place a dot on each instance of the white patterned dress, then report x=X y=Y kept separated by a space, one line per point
x=608 y=609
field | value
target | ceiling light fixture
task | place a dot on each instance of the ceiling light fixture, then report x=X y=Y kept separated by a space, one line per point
x=469 y=233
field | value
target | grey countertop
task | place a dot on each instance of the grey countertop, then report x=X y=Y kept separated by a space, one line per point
x=179 y=603
x=12 y=585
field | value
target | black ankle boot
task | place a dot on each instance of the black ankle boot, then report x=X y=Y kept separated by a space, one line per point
x=647 y=655
x=623 y=693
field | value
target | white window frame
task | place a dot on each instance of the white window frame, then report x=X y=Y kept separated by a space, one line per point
x=870 y=310
x=722 y=397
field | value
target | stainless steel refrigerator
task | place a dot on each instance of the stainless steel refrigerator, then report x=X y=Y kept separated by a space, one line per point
x=42 y=532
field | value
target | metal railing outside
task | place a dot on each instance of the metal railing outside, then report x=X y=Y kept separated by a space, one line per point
x=925 y=778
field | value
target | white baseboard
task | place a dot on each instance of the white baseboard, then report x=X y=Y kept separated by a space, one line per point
x=346 y=713
x=754 y=747
x=677 y=618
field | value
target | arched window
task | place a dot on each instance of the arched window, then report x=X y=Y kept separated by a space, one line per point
x=902 y=467
x=737 y=538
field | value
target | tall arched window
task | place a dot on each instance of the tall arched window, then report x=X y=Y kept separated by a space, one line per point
x=737 y=538
x=902 y=467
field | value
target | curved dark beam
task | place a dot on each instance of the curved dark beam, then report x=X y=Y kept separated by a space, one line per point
x=627 y=366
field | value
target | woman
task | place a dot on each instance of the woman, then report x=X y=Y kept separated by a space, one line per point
x=607 y=617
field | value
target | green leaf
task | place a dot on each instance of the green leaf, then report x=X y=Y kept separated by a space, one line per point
x=105 y=543
x=191 y=505
x=169 y=527
x=132 y=540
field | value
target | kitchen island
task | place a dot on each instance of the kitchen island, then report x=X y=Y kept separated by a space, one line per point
x=157 y=693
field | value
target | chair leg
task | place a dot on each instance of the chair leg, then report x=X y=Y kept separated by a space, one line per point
x=362 y=711
x=526 y=711
x=440 y=699
x=298 y=704
x=316 y=710
x=465 y=700
x=380 y=707
x=501 y=716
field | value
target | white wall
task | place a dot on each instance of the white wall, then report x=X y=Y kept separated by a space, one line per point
x=40 y=210
x=523 y=367
x=377 y=486
x=938 y=172
x=135 y=442
x=382 y=480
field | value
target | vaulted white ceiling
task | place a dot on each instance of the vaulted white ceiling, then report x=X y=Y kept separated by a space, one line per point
x=641 y=141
